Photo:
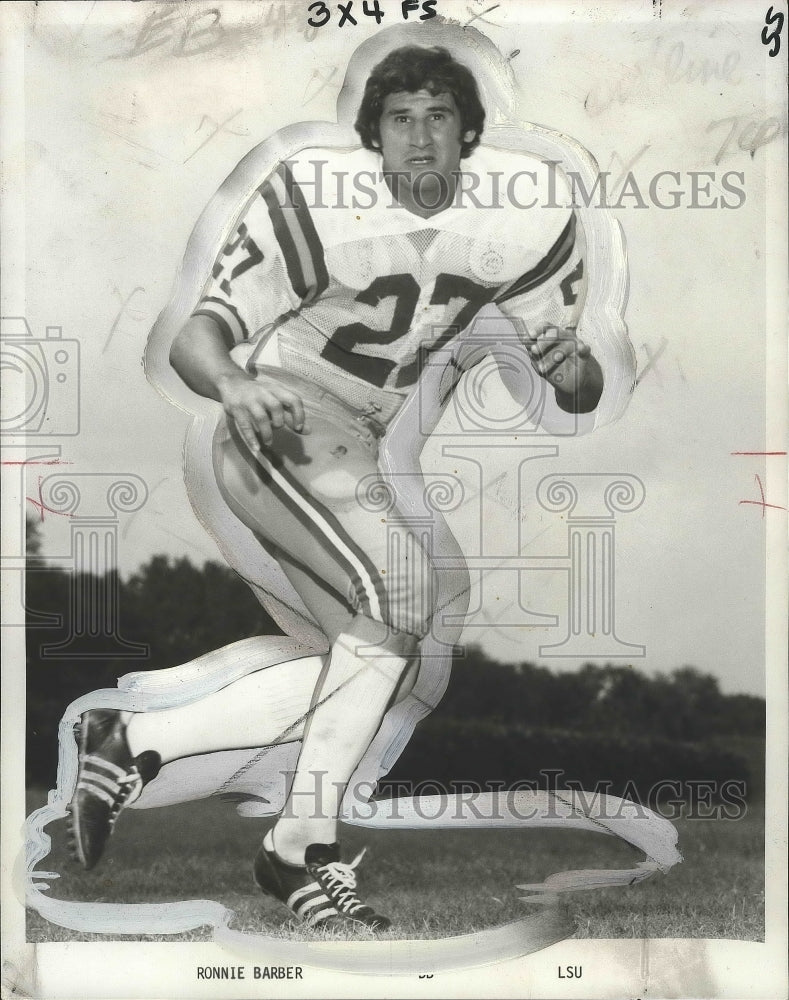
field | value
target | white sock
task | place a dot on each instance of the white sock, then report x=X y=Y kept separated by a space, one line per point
x=262 y=708
x=351 y=700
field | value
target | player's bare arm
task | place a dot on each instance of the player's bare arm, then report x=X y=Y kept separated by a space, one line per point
x=566 y=362
x=257 y=405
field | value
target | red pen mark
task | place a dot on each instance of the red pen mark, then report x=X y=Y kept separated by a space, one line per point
x=761 y=503
x=32 y=461
x=41 y=506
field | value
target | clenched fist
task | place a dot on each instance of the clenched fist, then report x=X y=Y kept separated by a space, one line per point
x=566 y=362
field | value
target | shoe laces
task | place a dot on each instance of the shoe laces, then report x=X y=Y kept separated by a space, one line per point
x=340 y=881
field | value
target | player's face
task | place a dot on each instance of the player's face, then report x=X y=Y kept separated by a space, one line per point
x=421 y=139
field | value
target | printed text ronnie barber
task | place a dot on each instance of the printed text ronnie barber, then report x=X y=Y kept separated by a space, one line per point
x=250 y=972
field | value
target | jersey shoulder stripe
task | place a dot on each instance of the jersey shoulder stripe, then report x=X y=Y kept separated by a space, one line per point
x=550 y=264
x=296 y=234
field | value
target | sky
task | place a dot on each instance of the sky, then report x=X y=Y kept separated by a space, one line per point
x=131 y=126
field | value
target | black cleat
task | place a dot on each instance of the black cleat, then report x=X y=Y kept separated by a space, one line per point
x=321 y=892
x=108 y=779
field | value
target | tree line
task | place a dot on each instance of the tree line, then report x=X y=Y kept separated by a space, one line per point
x=175 y=611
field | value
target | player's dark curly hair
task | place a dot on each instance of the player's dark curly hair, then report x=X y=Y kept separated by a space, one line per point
x=412 y=68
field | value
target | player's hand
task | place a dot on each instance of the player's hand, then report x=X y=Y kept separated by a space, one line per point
x=566 y=362
x=259 y=406
x=560 y=357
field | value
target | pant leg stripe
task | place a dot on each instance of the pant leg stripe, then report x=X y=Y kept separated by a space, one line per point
x=371 y=578
x=364 y=576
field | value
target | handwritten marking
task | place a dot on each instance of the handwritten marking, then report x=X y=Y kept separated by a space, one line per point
x=218 y=127
x=317 y=75
x=112 y=125
x=146 y=37
x=481 y=14
x=121 y=311
x=510 y=635
x=345 y=13
x=32 y=461
x=758 y=453
x=130 y=520
x=652 y=360
x=761 y=503
x=662 y=65
x=750 y=133
x=287 y=17
x=41 y=506
x=75 y=36
x=161 y=27
x=774 y=38
x=627 y=168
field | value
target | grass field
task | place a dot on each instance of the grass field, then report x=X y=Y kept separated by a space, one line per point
x=432 y=883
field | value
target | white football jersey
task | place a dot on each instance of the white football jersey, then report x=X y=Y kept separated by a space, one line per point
x=327 y=276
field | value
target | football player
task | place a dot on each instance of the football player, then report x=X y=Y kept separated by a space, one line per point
x=320 y=314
